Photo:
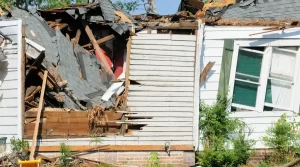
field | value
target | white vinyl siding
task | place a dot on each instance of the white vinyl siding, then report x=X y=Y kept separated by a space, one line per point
x=10 y=74
x=164 y=65
x=212 y=50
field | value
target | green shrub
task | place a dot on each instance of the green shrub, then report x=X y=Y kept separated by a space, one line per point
x=65 y=155
x=224 y=138
x=153 y=160
x=283 y=138
x=19 y=145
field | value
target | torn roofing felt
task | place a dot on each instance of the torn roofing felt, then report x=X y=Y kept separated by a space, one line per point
x=69 y=61
x=258 y=9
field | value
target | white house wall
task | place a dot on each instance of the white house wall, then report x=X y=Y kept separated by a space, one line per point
x=213 y=50
x=10 y=74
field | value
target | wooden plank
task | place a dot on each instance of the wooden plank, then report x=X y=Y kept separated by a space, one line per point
x=157 y=83
x=160 y=99
x=159 y=68
x=162 y=94
x=164 y=47
x=77 y=37
x=205 y=71
x=159 y=104
x=163 y=52
x=38 y=117
x=101 y=40
x=161 y=73
x=163 y=42
x=23 y=79
x=152 y=37
x=160 y=109
x=97 y=48
x=123 y=17
x=160 y=89
x=108 y=148
x=161 y=78
x=163 y=58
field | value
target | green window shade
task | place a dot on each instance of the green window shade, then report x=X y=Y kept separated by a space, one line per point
x=248 y=69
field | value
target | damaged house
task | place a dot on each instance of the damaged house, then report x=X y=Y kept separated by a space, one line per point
x=137 y=104
x=255 y=49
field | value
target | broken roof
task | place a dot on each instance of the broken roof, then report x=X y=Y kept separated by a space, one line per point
x=101 y=11
x=258 y=9
x=66 y=60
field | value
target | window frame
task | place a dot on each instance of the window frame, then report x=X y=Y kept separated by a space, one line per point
x=266 y=65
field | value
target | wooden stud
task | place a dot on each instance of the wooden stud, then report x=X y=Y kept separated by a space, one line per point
x=123 y=17
x=77 y=37
x=38 y=117
x=101 y=40
x=23 y=59
x=68 y=37
x=97 y=48
x=205 y=71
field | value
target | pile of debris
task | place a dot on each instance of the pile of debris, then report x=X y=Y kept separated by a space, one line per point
x=82 y=48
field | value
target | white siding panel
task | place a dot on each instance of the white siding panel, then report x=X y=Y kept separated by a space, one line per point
x=161 y=78
x=213 y=43
x=161 y=114
x=209 y=86
x=162 y=58
x=160 y=99
x=8 y=93
x=9 y=103
x=163 y=52
x=209 y=94
x=157 y=83
x=163 y=67
x=163 y=42
x=10 y=119
x=161 y=109
x=160 y=89
x=160 y=104
x=164 y=47
x=213 y=52
x=10 y=84
x=162 y=94
x=159 y=68
x=161 y=73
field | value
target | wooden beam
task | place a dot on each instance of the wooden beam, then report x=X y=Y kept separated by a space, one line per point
x=205 y=71
x=38 y=117
x=97 y=48
x=123 y=17
x=101 y=40
x=77 y=37
x=109 y=148
x=23 y=78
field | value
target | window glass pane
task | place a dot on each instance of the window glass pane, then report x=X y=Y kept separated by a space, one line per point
x=283 y=65
x=249 y=63
x=280 y=81
x=244 y=93
x=279 y=93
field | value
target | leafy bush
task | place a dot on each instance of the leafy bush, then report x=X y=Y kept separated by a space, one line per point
x=19 y=145
x=65 y=155
x=224 y=138
x=284 y=139
x=153 y=160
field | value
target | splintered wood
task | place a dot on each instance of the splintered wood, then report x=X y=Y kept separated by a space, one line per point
x=60 y=122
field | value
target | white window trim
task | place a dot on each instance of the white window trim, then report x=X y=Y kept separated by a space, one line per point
x=295 y=97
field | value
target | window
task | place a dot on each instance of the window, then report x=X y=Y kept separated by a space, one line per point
x=264 y=78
